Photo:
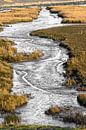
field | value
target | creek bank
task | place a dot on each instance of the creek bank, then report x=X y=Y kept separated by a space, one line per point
x=75 y=67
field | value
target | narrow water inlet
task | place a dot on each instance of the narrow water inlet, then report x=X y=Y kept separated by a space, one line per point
x=44 y=78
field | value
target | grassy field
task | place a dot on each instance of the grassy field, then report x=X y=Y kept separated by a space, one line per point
x=19 y=15
x=70 y=13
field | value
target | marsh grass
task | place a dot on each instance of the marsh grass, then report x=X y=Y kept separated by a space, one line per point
x=8 y=53
x=19 y=15
x=70 y=13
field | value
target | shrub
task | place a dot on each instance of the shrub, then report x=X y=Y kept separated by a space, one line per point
x=11 y=119
x=53 y=110
x=82 y=99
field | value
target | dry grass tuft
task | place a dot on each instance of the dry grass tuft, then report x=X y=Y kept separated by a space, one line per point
x=53 y=110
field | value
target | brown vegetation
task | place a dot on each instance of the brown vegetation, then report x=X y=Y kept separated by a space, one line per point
x=5 y=77
x=74 y=38
x=19 y=15
x=82 y=99
x=53 y=110
x=70 y=13
x=8 y=53
x=9 y=102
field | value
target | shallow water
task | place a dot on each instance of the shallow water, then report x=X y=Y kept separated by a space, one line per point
x=43 y=78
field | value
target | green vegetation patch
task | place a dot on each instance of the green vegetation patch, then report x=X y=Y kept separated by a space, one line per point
x=11 y=119
x=36 y=127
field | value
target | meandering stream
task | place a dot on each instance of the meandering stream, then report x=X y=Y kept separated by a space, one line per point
x=43 y=78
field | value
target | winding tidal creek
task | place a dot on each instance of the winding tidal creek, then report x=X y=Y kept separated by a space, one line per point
x=43 y=79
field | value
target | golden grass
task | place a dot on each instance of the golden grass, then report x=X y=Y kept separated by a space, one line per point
x=8 y=53
x=9 y=102
x=19 y=15
x=70 y=13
